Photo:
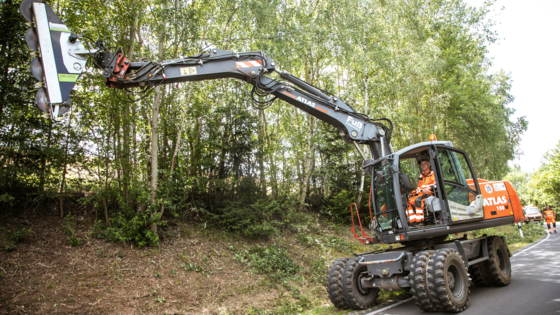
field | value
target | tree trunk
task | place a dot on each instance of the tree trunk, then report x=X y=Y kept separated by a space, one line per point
x=274 y=181
x=179 y=133
x=106 y=211
x=125 y=162
x=306 y=167
x=64 y=170
x=179 y=136
x=44 y=158
x=261 y=154
x=154 y=155
x=155 y=119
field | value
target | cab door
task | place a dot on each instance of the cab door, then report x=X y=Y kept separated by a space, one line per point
x=460 y=186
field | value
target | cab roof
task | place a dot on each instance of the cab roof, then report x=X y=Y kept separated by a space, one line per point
x=416 y=149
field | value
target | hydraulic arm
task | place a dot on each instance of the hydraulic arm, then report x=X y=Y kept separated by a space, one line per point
x=251 y=67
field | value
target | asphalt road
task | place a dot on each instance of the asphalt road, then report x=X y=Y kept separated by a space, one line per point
x=534 y=288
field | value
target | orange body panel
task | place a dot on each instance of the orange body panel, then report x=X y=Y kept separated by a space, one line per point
x=517 y=208
x=500 y=200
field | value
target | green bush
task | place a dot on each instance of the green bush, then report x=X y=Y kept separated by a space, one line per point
x=271 y=260
x=99 y=230
x=135 y=229
x=531 y=232
x=197 y=268
x=338 y=209
x=262 y=218
x=69 y=230
x=18 y=235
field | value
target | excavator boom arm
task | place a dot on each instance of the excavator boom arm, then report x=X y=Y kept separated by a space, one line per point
x=252 y=68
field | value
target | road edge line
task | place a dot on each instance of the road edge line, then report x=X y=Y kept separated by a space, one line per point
x=547 y=236
x=390 y=306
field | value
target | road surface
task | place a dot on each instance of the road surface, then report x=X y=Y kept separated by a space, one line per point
x=534 y=287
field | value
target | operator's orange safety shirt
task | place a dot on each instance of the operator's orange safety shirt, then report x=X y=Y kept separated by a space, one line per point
x=415 y=212
x=425 y=181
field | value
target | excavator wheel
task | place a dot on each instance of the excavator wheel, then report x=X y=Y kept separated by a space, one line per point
x=479 y=275
x=448 y=283
x=418 y=284
x=498 y=265
x=334 y=283
x=356 y=297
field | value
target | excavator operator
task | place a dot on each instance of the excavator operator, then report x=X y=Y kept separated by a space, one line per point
x=426 y=183
x=550 y=218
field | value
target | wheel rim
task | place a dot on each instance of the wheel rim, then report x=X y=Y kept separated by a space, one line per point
x=454 y=281
x=501 y=261
x=359 y=277
x=450 y=280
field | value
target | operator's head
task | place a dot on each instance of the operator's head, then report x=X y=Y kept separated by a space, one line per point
x=425 y=165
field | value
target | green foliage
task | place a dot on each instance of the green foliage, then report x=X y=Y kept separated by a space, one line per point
x=69 y=229
x=136 y=229
x=6 y=198
x=197 y=268
x=318 y=269
x=531 y=232
x=545 y=182
x=339 y=206
x=271 y=260
x=98 y=230
x=8 y=247
x=18 y=235
x=260 y=219
x=542 y=187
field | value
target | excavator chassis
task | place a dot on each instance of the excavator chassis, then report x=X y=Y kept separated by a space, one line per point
x=437 y=274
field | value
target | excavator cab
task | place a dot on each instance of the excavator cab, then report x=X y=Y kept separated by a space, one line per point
x=456 y=197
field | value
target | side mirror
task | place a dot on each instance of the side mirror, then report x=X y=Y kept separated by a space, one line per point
x=476 y=206
x=479 y=202
x=405 y=180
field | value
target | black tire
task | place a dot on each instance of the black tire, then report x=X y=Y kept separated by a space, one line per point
x=448 y=283
x=479 y=275
x=418 y=284
x=498 y=264
x=334 y=283
x=355 y=296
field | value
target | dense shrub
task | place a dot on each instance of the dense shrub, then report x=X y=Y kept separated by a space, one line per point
x=70 y=231
x=272 y=260
x=135 y=229
x=259 y=219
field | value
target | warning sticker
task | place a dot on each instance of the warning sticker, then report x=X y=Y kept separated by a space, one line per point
x=499 y=187
x=188 y=71
x=62 y=77
x=58 y=27
x=248 y=64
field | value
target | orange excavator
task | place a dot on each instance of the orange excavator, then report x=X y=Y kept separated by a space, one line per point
x=435 y=269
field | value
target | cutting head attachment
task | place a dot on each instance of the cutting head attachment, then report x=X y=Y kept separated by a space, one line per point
x=37 y=69
x=42 y=101
x=31 y=39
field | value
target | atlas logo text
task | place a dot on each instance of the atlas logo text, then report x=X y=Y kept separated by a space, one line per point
x=306 y=102
x=494 y=201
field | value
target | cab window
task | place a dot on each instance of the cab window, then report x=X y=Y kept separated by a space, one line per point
x=460 y=195
x=384 y=196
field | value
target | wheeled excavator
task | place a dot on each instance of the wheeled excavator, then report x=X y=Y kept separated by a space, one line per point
x=435 y=269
